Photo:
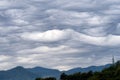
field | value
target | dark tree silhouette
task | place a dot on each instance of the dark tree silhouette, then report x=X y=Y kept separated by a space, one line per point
x=63 y=76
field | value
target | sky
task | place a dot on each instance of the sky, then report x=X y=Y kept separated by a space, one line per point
x=59 y=34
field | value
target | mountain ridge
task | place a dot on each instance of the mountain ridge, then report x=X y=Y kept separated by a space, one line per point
x=86 y=69
x=21 y=73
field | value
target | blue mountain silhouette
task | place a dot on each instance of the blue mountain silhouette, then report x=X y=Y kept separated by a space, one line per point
x=21 y=73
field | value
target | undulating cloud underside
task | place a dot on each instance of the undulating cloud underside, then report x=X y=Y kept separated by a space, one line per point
x=59 y=34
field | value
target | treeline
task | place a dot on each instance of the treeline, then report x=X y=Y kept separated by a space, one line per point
x=49 y=78
x=111 y=73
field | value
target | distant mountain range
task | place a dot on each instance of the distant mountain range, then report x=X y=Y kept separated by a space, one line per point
x=91 y=68
x=17 y=73
x=20 y=73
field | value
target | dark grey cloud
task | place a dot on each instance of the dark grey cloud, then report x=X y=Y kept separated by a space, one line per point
x=64 y=33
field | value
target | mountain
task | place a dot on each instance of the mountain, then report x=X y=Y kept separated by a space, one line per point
x=45 y=72
x=17 y=73
x=91 y=68
x=20 y=73
x=110 y=73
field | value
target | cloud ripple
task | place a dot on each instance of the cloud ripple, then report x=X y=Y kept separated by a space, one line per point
x=64 y=33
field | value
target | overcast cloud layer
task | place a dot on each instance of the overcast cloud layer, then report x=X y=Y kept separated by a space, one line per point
x=60 y=34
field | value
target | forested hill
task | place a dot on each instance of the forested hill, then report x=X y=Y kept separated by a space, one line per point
x=21 y=73
x=111 y=73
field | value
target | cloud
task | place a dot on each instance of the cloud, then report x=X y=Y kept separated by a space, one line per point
x=72 y=18
x=52 y=50
x=3 y=58
x=100 y=41
x=3 y=4
x=57 y=35
x=68 y=33
x=48 y=36
x=97 y=31
x=3 y=40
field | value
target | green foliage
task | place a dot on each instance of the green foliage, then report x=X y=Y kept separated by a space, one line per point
x=111 y=73
x=76 y=76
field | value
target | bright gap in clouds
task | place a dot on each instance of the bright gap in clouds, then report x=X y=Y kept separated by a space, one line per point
x=63 y=33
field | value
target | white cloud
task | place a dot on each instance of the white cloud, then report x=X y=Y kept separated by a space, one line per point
x=24 y=60
x=70 y=30
x=109 y=40
x=48 y=36
x=20 y=22
x=57 y=35
x=73 y=18
x=4 y=65
x=4 y=3
x=52 y=50
x=97 y=31
x=4 y=58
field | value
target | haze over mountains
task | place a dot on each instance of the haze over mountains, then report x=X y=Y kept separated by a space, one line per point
x=20 y=73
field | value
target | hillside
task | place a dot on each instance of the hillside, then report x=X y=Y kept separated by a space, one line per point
x=110 y=73
x=17 y=73
x=20 y=73
x=87 y=69
x=45 y=72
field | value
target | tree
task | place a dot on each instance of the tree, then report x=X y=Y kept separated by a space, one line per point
x=50 y=78
x=63 y=76
x=38 y=79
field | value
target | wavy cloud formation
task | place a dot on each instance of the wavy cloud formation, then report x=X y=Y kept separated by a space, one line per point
x=64 y=33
